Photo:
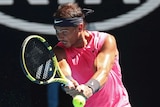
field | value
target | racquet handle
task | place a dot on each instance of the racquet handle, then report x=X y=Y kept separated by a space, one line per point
x=79 y=101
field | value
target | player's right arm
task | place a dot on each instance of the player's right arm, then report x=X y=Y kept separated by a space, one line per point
x=64 y=66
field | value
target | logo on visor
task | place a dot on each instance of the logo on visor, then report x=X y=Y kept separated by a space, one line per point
x=58 y=21
x=41 y=23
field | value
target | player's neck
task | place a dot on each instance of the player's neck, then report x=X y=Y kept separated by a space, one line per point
x=83 y=40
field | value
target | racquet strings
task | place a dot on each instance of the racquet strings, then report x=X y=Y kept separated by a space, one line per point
x=38 y=60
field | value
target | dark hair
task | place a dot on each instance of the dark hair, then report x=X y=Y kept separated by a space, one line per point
x=69 y=10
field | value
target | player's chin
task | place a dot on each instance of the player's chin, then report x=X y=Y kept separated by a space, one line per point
x=67 y=45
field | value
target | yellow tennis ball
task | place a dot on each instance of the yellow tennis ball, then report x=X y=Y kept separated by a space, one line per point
x=79 y=101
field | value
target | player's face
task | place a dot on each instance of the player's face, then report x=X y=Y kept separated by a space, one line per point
x=67 y=35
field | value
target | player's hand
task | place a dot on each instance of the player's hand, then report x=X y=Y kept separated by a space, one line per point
x=72 y=84
x=71 y=87
x=79 y=90
x=84 y=90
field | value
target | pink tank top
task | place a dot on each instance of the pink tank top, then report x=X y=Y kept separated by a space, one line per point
x=113 y=93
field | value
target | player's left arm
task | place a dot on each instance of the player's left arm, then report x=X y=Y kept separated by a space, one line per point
x=105 y=60
x=103 y=63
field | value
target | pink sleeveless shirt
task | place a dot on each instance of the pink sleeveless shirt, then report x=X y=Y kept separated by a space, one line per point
x=113 y=93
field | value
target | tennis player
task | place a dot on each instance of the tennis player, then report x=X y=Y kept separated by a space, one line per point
x=90 y=59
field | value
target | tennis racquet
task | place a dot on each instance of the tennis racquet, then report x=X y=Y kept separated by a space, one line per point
x=40 y=65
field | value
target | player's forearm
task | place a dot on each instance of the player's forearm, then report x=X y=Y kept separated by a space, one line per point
x=97 y=81
x=101 y=74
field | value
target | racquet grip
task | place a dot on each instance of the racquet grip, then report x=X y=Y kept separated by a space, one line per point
x=79 y=101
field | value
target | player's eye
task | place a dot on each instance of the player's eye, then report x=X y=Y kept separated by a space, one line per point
x=63 y=32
